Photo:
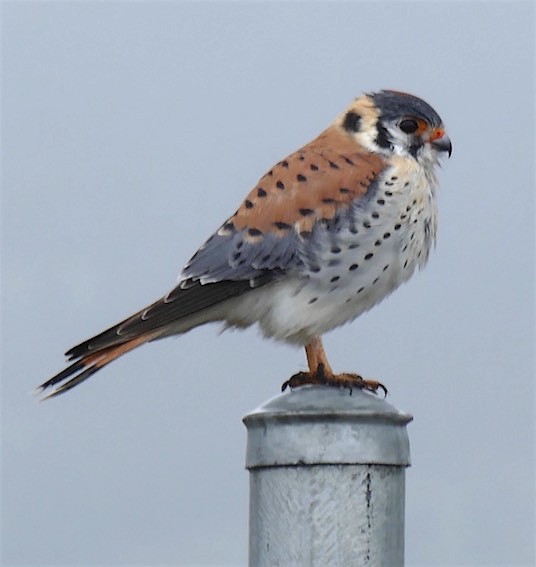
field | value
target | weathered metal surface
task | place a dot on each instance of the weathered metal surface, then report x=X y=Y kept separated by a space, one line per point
x=327 y=480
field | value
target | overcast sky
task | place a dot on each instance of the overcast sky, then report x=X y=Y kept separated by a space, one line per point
x=130 y=131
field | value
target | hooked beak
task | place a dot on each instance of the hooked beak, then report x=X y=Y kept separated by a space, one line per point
x=440 y=141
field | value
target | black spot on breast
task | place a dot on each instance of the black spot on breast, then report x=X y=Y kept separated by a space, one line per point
x=335 y=279
x=386 y=235
x=344 y=190
x=385 y=267
x=315 y=269
x=334 y=262
x=333 y=165
x=284 y=163
x=313 y=299
x=228 y=226
x=398 y=226
x=335 y=250
x=378 y=243
x=406 y=264
x=302 y=157
x=366 y=224
x=254 y=232
x=376 y=280
x=388 y=193
x=394 y=178
x=301 y=178
x=381 y=201
x=280 y=185
x=248 y=204
x=369 y=256
x=328 y=200
x=348 y=160
x=306 y=212
x=360 y=289
x=313 y=167
x=353 y=267
x=351 y=122
x=282 y=225
x=305 y=234
x=261 y=192
x=375 y=215
x=353 y=246
x=389 y=184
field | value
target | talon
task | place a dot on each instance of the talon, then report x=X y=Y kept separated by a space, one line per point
x=346 y=380
x=300 y=379
x=320 y=373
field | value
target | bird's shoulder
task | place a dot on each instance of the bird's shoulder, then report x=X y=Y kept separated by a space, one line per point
x=307 y=186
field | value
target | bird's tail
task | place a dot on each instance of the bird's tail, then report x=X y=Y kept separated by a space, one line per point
x=186 y=306
x=90 y=363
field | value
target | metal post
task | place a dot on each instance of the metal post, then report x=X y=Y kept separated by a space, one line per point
x=327 y=480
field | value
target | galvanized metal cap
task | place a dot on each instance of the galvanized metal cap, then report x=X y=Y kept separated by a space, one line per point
x=324 y=425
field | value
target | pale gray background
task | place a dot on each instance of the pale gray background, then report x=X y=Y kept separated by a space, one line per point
x=130 y=132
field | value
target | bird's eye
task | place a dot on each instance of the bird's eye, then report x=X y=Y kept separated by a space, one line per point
x=408 y=125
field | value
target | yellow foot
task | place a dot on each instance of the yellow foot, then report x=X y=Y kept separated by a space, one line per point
x=345 y=380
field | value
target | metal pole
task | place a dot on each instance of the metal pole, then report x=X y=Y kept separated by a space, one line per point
x=327 y=480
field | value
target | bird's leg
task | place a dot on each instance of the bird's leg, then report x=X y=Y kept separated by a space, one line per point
x=320 y=372
x=316 y=356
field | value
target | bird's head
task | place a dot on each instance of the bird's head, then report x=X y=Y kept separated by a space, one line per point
x=396 y=123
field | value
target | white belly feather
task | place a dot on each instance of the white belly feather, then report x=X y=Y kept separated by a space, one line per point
x=352 y=271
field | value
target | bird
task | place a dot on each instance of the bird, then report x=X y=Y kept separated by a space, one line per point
x=326 y=234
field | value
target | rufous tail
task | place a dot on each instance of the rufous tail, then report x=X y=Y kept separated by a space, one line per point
x=88 y=364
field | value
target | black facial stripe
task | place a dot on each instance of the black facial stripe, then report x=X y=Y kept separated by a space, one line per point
x=383 y=139
x=352 y=121
x=414 y=148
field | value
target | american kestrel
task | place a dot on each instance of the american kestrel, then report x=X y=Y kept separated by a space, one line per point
x=325 y=235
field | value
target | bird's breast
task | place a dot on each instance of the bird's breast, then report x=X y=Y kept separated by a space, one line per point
x=352 y=262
